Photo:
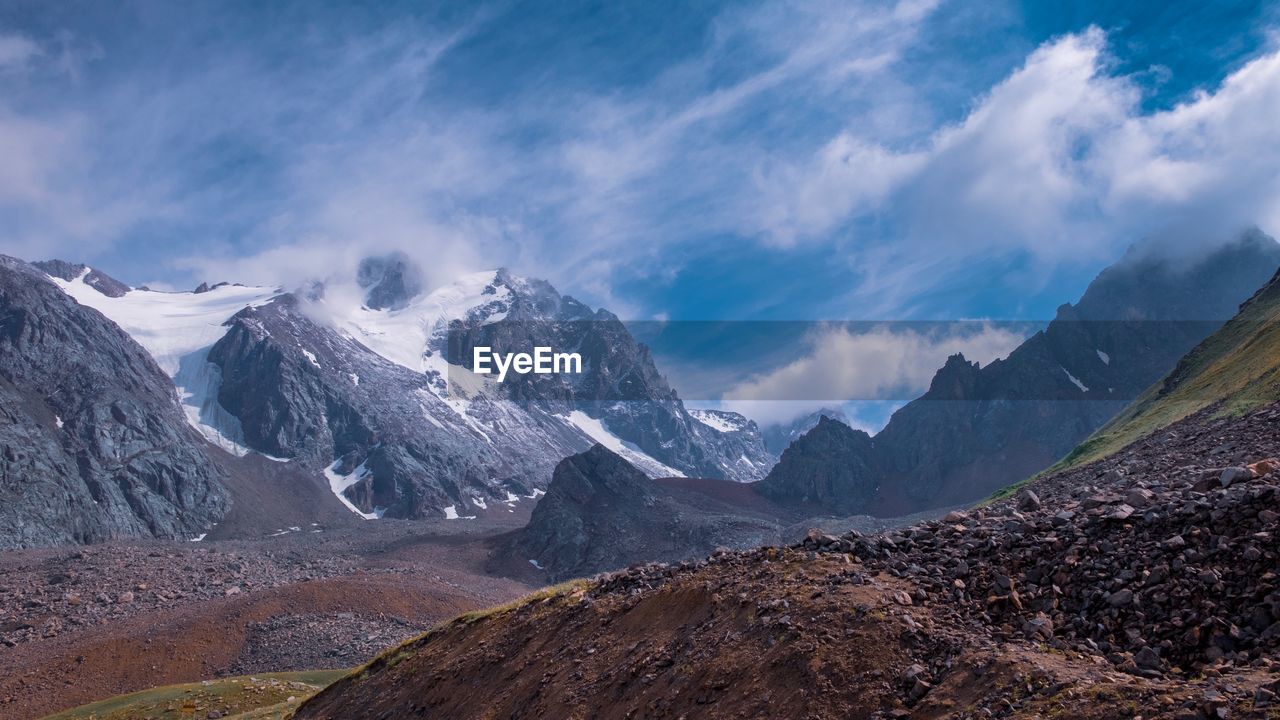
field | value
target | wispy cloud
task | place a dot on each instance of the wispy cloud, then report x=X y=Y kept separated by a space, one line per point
x=840 y=364
x=16 y=51
x=269 y=152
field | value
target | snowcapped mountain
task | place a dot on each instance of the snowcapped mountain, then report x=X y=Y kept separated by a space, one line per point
x=93 y=445
x=737 y=439
x=778 y=438
x=177 y=329
x=377 y=398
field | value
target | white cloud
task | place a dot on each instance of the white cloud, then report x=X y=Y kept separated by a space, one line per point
x=881 y=364
x=1214 y=156
x=795 y=123
x=639 y=156
x=16 y=51
x=265 y=166
x=848 y=176
x=1059 y=159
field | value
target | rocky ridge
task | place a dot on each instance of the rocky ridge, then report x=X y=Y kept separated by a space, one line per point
x=978 y=429
x=1160 y=559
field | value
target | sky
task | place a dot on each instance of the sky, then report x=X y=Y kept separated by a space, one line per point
x=913 y=160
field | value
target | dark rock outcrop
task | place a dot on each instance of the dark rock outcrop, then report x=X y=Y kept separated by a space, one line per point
x=601 y=513
x=778 y=437
x=96 y=279
x=825 y=469
x=93 y=444
x=390 y=281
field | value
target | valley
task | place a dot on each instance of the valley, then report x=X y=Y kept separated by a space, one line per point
x=361 y=499
x=82 y=624
x=765 y=360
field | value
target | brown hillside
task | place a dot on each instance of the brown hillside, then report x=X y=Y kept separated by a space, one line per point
x=1142 y=586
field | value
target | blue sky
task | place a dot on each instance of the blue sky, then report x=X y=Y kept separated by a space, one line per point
x=925 y=159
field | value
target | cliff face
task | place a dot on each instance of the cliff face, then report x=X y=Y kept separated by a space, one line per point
x=977 y=430
x=389 y=446
x=93 y=444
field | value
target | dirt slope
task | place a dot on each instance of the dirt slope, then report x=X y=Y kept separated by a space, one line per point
x=79 y=625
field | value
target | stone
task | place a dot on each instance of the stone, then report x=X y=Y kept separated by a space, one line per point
x=1262 y=468
x=912 y=672
x=1120 y=598
x=1233 y=475
x=1139 y=497
x=1028 y=500
x=1147 y=659
x=1039 y=626
x=1120 y=512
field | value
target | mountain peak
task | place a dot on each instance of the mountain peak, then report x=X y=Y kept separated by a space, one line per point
x=1152 y=282
x=955 y=379
x=824 y=469
x=390 y=281
x=95 y=279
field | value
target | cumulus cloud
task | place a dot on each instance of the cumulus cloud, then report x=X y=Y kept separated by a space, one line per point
x=882 y=363
x=1058 y=159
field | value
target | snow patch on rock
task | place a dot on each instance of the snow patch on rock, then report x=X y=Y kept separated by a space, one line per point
x=596 y=430
x=1075 y=380
x=339 y=484
x=451 y=513
x=715 y=421
x=178 y=329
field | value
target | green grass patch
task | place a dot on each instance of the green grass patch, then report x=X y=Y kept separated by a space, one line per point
x=1235 y=370
x=248 y=697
